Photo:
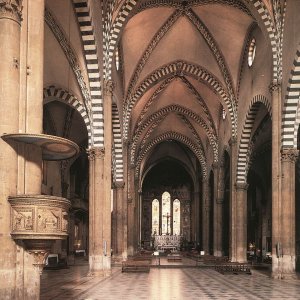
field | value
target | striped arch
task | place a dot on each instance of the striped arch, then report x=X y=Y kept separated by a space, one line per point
x=163 y=112
x=52 y=93
x=291 y=115
x=244 y=147
x=115 y=31
x=257 y=5
x=174 y=68
x=90 y=52
x=118 y=147
x=174 y=136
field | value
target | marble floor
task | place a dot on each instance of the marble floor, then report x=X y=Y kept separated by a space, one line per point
x=163 y=284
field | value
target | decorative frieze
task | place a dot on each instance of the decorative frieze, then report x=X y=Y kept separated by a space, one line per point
x=96 y=153
x=289 y=155
x=11 y=9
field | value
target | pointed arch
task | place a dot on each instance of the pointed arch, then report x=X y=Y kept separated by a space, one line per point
x=53 y=93
x=256 y=6
x=291 y=115
x=174 y=136
x=162 y=113
x=92 y=64
x=185 y=68
x=118 y=147
x=244 y=147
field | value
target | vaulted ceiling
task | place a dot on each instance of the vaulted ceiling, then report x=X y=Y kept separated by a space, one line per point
x=181 y=69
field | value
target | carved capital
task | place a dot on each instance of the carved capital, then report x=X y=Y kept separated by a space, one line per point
x=232 y=141
x=215 y=165
x=109 y=87
x=241 y=186
x=11 y=9
x=274 y=86
x=96 y=153
x=119 y=185
x=290 y=155
x=39 y=257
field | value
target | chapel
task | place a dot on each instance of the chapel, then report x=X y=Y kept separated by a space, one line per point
x=142 y=125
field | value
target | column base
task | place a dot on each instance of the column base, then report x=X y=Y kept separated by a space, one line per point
x=218 y=253
x=284 y=267
x=100 y=265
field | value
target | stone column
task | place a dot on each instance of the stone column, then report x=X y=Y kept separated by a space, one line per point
x=275 y=90
x=10 y=20
x=205 y=215
x=119 y=230
x=126 y=199
x=232 y=206
x=217 y=213
x=98 y=250
x=107 y=108
x=197 y=217
x=219 y=209
x=287 y=261
x=131 y=212
x=71 y=232
x=241 y=222
x=139 y=218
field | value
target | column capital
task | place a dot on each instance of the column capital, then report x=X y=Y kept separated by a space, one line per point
x=96 y=153
x=274 y=86
x=232 y=141
x=11 y=9
x=215 y=165
x=241 y=186
x=118 y=184
x=289 y=154
x=109 y=87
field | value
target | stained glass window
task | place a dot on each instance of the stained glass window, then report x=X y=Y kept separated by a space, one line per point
x=155 y=217
x=176 y=217
x=166 y=213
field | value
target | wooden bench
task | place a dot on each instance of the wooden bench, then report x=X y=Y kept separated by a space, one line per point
x=142 y=258
x=213 y=260
x=233 y=268
x=135 y=266
x=174 y=257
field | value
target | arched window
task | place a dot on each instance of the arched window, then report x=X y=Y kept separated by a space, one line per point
x=166 y=216
x=176 y=217
x=166 y=213
x=155 y=217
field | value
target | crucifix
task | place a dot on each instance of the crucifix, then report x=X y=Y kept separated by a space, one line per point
x=168 y=217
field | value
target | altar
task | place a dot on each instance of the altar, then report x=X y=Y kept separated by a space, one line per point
x=167 y=242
